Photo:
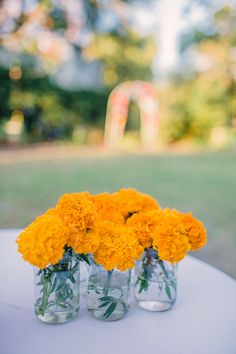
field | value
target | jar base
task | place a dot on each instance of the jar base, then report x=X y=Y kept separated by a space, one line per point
x=99 y=315
x=156 y=306
x=58 y=317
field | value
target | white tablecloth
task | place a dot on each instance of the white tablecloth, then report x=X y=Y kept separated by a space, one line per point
x=203 y=320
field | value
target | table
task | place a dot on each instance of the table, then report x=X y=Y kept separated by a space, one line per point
x=203 y=320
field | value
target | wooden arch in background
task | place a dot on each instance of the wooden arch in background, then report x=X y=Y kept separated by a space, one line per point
x=145 y=95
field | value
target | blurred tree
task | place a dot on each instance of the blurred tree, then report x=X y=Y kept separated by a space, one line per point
x=50 y=112
x=5 y=90
x=47 y=28
x=207 y=98
x=124 y=58
x=48 y=32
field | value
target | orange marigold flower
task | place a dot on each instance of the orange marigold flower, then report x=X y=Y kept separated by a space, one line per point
x=42 y=242
x=107 y=208
x=119 y=247
x=143 y=225
x=77 y=210
x=87 y=241
x=195 y=231
x=170 y=239
x=130 y=201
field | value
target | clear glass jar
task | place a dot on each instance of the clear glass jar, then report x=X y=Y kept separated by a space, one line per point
x=57 y=290
x=108 y=294
x=155 y=282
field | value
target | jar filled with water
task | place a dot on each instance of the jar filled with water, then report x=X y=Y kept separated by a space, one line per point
x=57 y=290
x=108 y=293
x=155 y=282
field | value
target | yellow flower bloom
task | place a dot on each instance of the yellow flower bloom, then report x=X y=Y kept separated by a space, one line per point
x=169 y=238
x=119 y=247
x=143 y=225
x=130 y=201
x=107 y=208
x=195 y=231
x=116 y=228
x=42 y=242
x=86 y=241
x=77 y=210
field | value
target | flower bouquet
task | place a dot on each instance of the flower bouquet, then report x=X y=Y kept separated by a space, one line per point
x=167 y=235
x=54 y=244
x=113 y=233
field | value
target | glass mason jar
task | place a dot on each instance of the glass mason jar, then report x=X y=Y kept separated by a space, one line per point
x=57 y=290
x=108 y=293
x=155 y=282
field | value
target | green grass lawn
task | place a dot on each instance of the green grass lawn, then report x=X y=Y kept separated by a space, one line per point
x=203 y=184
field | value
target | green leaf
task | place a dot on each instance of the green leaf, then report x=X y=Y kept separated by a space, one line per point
x=173 y=284
x=65 y=306
x=104 y=304
x=38 y=301
x=143 y=284
x=110 y=309
x=54 y=285
x=72 y=279
x=84 y=257
x=106 y=298
x=168 y=291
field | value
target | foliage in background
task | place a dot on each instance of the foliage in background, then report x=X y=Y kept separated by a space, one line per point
x=123 y=57
x=198 y=103
x=49 y=32
x=50 y=112
x=206 y=99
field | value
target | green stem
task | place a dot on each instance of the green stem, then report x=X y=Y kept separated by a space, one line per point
x=47 y=288
x=109 y=273
x=171 y=282
x=163 y=268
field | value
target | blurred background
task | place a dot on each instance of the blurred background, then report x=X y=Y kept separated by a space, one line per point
x=60 y=61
